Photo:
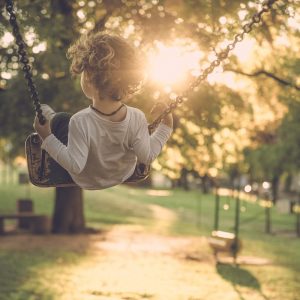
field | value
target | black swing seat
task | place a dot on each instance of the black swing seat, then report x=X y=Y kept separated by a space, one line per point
x=43 y=170
x=46 y=172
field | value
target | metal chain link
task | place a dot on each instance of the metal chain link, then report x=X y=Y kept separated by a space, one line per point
x=25 y=61
x=256 y=18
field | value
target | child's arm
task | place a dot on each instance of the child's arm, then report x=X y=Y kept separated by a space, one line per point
x=72 y=157
x=147 y=147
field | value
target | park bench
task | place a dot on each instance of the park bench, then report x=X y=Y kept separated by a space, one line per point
x=37 y=223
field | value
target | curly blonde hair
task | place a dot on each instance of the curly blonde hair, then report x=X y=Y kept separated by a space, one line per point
x=110 y=63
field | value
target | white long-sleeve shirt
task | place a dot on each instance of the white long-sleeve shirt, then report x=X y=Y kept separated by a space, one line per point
x=101 y=153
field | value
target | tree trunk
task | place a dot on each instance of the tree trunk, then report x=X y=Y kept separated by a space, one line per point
x=68 y=212
x=287 y=183
x=183 y=179
x=205 y=184
x=275 y=186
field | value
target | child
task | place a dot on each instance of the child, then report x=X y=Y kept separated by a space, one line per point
x=100 y=145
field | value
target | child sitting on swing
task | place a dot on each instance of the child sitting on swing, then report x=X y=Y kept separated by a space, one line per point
x=100 y=145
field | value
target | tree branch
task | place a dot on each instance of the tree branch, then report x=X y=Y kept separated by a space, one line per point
x=267 y=74
x=99 y=25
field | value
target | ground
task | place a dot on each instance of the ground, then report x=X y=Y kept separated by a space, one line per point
x=132 y=262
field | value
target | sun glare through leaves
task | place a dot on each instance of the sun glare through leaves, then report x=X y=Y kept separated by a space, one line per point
x=174 y=65
x=170 y=64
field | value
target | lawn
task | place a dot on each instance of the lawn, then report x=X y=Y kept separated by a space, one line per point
x=25 y=274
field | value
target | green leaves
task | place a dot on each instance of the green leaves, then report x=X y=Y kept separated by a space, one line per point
x=226 y=110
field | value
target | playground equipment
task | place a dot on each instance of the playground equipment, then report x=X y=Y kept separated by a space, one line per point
x=43 y=172
x=222 y=241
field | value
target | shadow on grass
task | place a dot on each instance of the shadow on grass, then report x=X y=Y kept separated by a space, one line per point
x=239 y=277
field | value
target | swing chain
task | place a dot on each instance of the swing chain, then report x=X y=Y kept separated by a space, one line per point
x=221 y=56
x=247 y=28
x=25 y=61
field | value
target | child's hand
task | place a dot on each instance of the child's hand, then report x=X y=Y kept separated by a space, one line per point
x=158 y=109
x=42 y=130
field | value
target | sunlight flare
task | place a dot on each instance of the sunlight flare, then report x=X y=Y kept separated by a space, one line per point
x=169 y=65
x=6 y=39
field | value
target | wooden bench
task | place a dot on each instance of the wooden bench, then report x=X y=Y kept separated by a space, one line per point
x=38 y=223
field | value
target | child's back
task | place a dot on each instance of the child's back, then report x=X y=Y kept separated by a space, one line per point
x=105 y=140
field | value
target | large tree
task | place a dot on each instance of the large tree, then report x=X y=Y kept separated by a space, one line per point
x=221 y=116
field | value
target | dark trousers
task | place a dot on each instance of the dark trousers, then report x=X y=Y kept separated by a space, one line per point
x=60 y=126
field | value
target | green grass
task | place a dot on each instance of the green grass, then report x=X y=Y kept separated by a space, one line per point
x=108 y=207
x=21 y=272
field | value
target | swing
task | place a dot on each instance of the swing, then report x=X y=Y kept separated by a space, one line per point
x=43 y=170
x=46 y=172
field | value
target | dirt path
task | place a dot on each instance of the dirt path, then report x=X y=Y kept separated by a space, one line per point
x=164 y=219
x=133 y=263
